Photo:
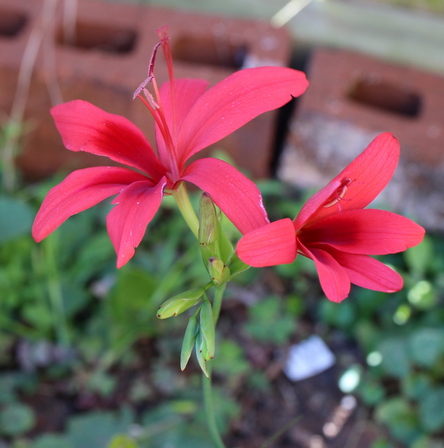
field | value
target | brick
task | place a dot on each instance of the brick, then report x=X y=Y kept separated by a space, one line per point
x=351 y=99
x=109 y=59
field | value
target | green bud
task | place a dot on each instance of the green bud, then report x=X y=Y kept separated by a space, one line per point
x=188 y=341
x=207 y=330
x=180 y=303
x=208 y=222
x=218 y=271
x=200 y=347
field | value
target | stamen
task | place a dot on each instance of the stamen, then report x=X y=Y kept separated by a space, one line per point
x=166 y=48
x=339 y=193
x=142 y=87
x=150 y=99
x=153 y=60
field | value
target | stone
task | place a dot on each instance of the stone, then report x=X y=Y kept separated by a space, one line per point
x=100 y=53
x=351 y=99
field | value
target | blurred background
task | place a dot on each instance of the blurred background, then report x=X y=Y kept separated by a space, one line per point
x=85 y=363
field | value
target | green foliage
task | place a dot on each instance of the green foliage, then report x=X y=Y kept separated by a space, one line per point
x=341 y=315
x=426 y=346
x=129 y=304
x=66 y=291
x=122 y=441
x=231 y=361
x=403 y=338
x=431 y=409
x=371 y=391
x=400 y=416
x=15 y=419
x=395 y=359
x=16 y=218
x=52 y=441
x=97 y=428
x=263 y=319
x=419 y=259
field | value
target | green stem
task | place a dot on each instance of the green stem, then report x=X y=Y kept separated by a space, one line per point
x=208 y=400
x=55 y=292
x=217 y=302
x=207 y=382
x=183 y=202
x=185 y=207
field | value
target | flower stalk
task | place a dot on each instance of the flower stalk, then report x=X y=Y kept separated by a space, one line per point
x=186 y=208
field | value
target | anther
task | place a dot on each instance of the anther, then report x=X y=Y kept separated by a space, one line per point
x=142 y=87
x=339 y=193
x=150 y=98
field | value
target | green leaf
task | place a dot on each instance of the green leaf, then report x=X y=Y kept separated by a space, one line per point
x=231 y=360
x=51 y=441
x=371 y=392
x=122 y=441
x=420 y=257
x=422 y=295
x=102 y=383
x=343 y=315
x=16 y=218
x=268 y=322
x=428 y=442
x=97 y=428
x=16 y=419
x=400 y=417
x=416 y=385
x=129 y=302
x=426 y=345
x=170 y=425
x=395 y=359
x=431 y=410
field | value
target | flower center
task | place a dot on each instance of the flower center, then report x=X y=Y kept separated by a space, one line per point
x=339 y=193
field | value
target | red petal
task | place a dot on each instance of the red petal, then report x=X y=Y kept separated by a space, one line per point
x=371 y=232
x=270 y=245
x=186 y=93
x=368 y=174
x=127 y=221
x=236 y=195
x=235 y=101
x=79 y=191
x=367 y=272
x=85 y=127
x=333 y=277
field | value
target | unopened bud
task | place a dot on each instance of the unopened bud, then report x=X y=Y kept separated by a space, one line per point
x=188 y=341
x=200 y=348
x=207 y=330
x=180 y=303
x=218 y=271
x=208 y=222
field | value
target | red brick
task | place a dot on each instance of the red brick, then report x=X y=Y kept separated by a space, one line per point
x=110 y=59
x=351 y=99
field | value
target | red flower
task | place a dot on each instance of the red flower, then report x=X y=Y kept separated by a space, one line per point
x=337 y=234
x=188 y=118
